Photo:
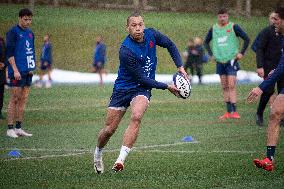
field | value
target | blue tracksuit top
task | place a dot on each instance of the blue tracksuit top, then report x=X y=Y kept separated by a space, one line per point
x=46 y=53
x=138 y=61
x=20 y=44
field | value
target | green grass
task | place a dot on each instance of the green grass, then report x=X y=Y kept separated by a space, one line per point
x=65 y=118
x=74 y=31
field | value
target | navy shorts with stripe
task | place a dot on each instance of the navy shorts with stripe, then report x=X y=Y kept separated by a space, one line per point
x=228 y=68
x=121 y=99
x=26 y=80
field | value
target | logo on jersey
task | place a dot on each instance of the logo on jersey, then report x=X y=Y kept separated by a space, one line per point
x=30 y=35
x=222 y=41
x=148 y=66
x=151 y=44
x=29 y=50
x=228 y=31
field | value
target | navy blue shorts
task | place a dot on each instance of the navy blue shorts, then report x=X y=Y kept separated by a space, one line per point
x=98 y=66
x=45 y=67
x=121 y=100
x=282 y=91
x=228 y=68
x=26 y=80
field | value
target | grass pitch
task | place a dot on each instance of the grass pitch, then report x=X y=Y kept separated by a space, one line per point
x=74 y=30
x=65 y=121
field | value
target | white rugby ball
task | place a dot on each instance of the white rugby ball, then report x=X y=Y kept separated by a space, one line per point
x=183 y=84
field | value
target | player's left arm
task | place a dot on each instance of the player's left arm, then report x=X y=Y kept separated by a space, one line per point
x=165 y=42
x=240 y=33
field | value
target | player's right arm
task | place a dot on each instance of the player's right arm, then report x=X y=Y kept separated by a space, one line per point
x=11 y=38
x=208 y=38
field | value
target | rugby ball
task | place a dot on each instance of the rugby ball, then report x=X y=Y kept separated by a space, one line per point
x=183 y=84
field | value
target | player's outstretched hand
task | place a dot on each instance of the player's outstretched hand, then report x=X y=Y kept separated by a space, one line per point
x=254 y=94
x=173 y=90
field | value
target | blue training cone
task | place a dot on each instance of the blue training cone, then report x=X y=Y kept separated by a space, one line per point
x=14 y=153
x=187 y=139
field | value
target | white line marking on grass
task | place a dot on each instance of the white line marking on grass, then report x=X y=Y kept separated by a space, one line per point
x=85 y=151
x=163 y=145
x=205 y=152
x=46 y=156
x=47 y=150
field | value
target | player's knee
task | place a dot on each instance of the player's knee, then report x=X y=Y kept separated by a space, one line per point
x=231 y=86
x=275 y=114
x=15 y=99
x=136 y=117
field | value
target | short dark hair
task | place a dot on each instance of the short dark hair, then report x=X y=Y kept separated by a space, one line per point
x=25 y=12
x=222 y=11
x=280 y=12
x=134 y=14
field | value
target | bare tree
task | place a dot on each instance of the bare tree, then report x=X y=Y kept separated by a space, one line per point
x=55 y=3
x=239 y=6
x=32 y=4
x=248 y=8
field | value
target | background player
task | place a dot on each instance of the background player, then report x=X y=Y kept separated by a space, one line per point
x=45 y=62
x=21 y=63
x=226 y=53
x=99 y=58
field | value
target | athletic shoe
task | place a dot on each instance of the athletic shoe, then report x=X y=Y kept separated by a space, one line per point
x=21 y=132
x=225 y=116
x=48 y=84
x=235 y=115
x=11 y=133
x=118 y=166
x=265 y=164
x=38 y=84
x=98 y=165
x=259 y=120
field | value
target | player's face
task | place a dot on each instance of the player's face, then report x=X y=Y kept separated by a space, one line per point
x=136 y=28
x=45 y=38
x=223 y=19
x=280 y=26
x=25 y=21
x=274 y=19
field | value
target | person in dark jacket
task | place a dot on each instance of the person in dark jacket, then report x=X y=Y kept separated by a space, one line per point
x=268 y=53
x=195 y=54
x=2 y=74
x=277 y=110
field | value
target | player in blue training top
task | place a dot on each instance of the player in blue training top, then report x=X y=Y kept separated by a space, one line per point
x=277 y=110
x=21 y=63
x=99 y=58
x=45 y=62
x=136 y=78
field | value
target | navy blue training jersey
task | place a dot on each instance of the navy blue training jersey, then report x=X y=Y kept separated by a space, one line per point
x=20 y=44
x=99 y=54
x=138 y=61
x=46 y=53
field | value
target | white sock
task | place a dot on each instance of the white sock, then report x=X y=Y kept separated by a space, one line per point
x=123 y=153
x=98 y=153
